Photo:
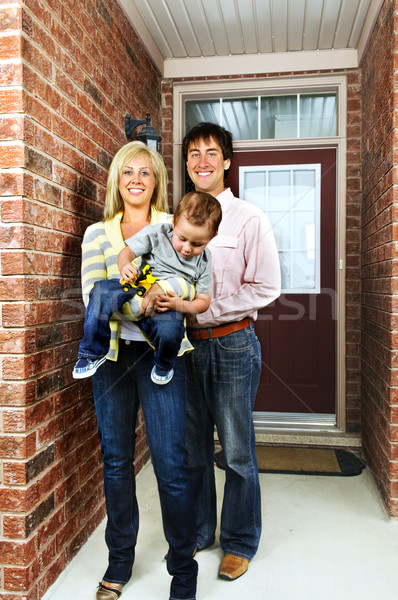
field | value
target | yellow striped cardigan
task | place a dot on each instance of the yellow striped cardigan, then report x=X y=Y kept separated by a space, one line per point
x=101 y=245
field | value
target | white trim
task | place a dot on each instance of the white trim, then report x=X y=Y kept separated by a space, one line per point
x=243 y=87
x=275 y=62
x=371 y=18
x=265 y=62
x=315 y=168
x=142 y=31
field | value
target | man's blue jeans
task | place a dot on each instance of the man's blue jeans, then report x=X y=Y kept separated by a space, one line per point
x=119 y=388
x=223 y=376
x=164 y=330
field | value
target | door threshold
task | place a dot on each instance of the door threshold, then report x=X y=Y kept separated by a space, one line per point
x=303 y=430
x=294 y=421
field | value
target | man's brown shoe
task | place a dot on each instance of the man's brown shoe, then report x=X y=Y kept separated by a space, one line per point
x=105 y=592
x=232 y=567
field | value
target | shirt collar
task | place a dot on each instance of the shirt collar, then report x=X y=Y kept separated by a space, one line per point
x=225 y=199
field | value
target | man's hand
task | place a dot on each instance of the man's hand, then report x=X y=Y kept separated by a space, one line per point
x=191 y=320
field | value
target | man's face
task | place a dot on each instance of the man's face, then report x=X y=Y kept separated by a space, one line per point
x=206 y=165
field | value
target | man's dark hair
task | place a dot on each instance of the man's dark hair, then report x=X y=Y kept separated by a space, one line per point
x=206 y=131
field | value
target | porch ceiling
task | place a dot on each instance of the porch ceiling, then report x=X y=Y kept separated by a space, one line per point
x=188 y=38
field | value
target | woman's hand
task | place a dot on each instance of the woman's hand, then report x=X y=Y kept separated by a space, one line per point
x=149 y=300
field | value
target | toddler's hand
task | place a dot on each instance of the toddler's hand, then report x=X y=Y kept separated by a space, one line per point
x=169 y=301
x=128 y=272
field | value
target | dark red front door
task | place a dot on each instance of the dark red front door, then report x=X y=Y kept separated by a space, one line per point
x=298 y=332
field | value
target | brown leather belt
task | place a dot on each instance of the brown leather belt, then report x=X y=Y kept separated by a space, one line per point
x=219 y=331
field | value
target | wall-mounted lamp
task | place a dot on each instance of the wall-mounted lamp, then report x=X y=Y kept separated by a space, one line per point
x=147 y=134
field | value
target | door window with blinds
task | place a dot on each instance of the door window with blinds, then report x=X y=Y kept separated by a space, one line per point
x=268 y=117
x=290 y=196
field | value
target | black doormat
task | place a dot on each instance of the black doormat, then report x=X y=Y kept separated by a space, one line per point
x=303 y=461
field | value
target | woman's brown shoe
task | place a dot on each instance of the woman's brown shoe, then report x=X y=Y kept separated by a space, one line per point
x=109 y=593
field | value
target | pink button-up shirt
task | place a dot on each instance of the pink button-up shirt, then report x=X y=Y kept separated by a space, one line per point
x=245 y=263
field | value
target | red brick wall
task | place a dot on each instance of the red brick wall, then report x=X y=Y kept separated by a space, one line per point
x=353 y=232
x=62 y=110
x=379 y=257
x=353 y=246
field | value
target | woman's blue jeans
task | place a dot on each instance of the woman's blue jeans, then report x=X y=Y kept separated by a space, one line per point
x=107 y=296
x=223 y=376
x=119 y=388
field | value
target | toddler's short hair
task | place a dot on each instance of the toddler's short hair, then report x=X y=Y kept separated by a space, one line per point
x=200 y=208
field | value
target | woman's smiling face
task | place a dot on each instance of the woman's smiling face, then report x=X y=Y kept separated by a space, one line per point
x=137 y=182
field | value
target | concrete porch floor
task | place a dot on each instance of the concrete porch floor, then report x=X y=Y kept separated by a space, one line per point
x=323 y=537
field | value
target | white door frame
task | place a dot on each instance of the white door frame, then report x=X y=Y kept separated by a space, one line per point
x=278 y=85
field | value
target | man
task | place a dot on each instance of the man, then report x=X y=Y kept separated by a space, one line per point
x=223 y=371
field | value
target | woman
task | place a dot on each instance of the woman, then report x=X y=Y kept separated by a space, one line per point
x=136 y=196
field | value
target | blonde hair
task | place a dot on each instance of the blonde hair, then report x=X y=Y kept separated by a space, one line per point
x=132 y=150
